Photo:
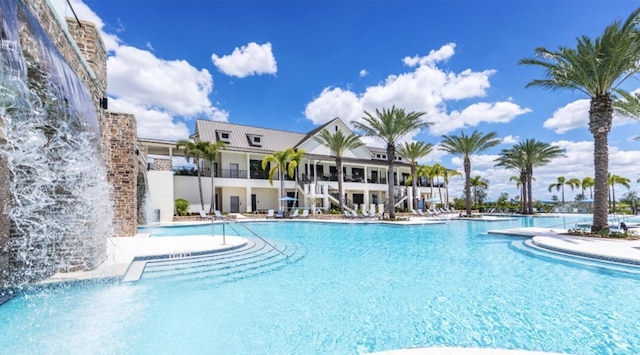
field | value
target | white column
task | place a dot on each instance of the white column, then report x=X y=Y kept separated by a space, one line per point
x=247 y=199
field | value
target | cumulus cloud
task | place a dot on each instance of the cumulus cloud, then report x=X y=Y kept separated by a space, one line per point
x=426 y=88
x=251 y=59
x=474 y=114
x=161 y=93
x=151 y=123
x=442 y=54
x=144 y=79
x=363 y=73
x=510 y=139
x=576 y=115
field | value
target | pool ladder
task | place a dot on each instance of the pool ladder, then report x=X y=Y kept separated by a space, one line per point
x=224 y=234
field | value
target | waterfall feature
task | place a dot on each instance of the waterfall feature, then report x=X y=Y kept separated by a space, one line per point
x=59 y=207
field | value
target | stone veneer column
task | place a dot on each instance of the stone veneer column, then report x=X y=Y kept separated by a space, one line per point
x=162 y=164
x=122 y=164
x=4 y=218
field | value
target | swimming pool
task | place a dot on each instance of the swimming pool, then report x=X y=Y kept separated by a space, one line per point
x=358 y=289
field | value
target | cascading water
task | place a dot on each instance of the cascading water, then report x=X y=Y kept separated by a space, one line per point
x=59 y=206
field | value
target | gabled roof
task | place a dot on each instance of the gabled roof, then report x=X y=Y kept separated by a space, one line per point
x=272 y=140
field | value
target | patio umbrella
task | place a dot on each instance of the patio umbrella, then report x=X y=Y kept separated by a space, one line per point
x=287 y=199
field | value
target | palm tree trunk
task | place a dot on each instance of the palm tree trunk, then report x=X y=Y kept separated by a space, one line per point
x=467 y=183
x=391 y=157
x=440 y=192
x=529 y=178
x=613 y=198
x=600 y=114
x=281 y=172
x=340 y=194
x=446 y=190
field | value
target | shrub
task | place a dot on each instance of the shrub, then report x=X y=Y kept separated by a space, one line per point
x=182 y=206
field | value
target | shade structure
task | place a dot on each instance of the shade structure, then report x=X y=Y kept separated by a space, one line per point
x=287 y=198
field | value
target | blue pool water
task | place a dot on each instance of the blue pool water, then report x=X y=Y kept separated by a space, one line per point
x=358 y=289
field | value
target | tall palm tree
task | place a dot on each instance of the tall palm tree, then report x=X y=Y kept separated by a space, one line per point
x=597 y=68
x=478 y=182
x=294 y=162
x=210 y=153
x=619 y=180
x=516 y=159
x=425 y=171
x=338 y=143
x=466 y=146
x=278 y=164
x=412 y=152
x=193 y=151
x=390 y=125
x=587 y=183
x=561 y=182
x=447 y=174
x=438 y=170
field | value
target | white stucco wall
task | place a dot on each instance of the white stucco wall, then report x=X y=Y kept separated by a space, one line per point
x=161 y=191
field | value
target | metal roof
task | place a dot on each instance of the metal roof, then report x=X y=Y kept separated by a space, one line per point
x=272 y=140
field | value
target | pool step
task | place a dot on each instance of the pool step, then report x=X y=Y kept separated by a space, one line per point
x=254 y=258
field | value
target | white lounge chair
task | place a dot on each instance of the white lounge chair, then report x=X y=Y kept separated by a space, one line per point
x=305 y=214
x=203 y=215
x=218 y=215
x=347 y=214
x=294 y=214
x=280 y=214
x=270 y=213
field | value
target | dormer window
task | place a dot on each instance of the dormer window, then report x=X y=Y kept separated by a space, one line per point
x=224 y=136
x=255 y=140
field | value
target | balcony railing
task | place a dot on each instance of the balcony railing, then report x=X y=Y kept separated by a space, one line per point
x=233 y=174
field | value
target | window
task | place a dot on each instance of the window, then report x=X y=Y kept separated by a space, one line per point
x=224 y=136
x=254 y=140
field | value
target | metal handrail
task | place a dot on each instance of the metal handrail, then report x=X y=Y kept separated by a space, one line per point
x=224 y=222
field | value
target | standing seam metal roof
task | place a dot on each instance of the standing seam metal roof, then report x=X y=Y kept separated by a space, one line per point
x=273 y=140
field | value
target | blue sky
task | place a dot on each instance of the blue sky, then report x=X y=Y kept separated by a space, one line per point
x=293 y=65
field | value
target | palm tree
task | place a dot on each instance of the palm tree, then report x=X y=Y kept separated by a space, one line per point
x=597 y=68
x=466 y=146
x=294 y=161
x=438 y=170
x=210 y=152
x=561 y=182
x=476 y=183
x=390 y=125
x=193 y=151
x=447 y=174
x=613 y=180
x=587 y=183
x=515 y=158
x=278 y=163
x=412 y=152
x=338 y=143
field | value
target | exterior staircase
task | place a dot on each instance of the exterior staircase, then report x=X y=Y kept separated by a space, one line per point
x=250 y=260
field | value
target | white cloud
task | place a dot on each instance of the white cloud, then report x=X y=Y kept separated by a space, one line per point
x=510 y=139
x=174 y=85
x=444 y=53
x=363 y=73
x=576 y=115
x=474 y=114
x=252 y=59
x=151 y=123
x=332 y=103
x=85 y=13
x=425 y=89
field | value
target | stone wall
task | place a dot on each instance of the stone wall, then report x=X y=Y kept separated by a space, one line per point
x=122 y=164
x=162 y=164
x=4 y=219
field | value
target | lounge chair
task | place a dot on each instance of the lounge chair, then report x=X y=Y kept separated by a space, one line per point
x=203 y=215
x=347 y=214
x=373 y=214
x=422 y=214
x=280 y=214
x=305 y=214
x=294 y=214
x=270 y=213
x=218 y=215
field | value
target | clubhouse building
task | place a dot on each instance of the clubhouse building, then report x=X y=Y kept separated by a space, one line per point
x=242 y=186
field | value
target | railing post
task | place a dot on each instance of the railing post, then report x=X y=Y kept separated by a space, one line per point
x=224 y=234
